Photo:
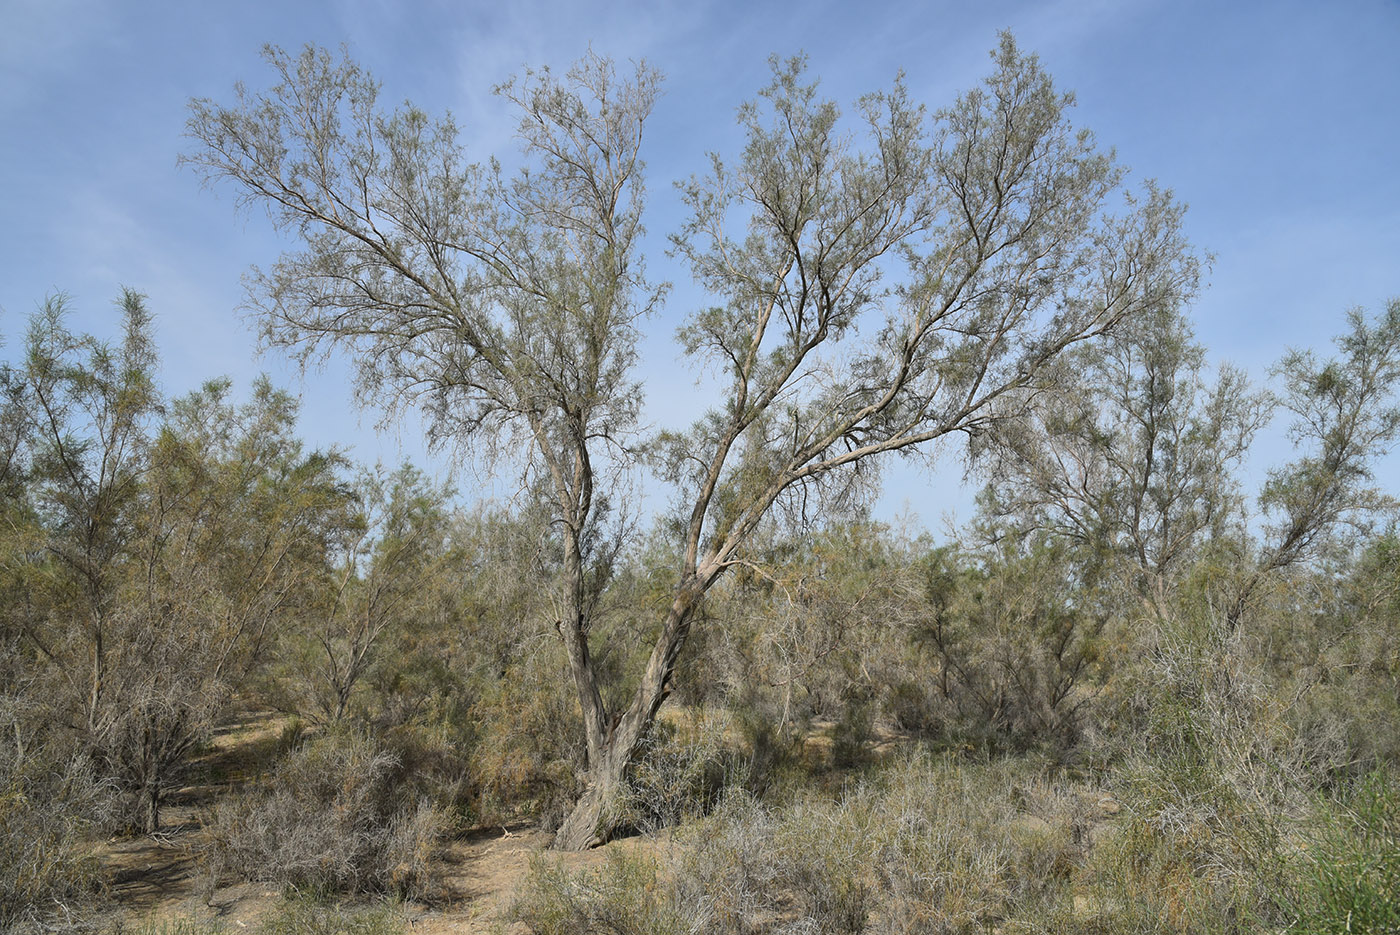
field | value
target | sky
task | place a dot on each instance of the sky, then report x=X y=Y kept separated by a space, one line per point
x=1278 y=123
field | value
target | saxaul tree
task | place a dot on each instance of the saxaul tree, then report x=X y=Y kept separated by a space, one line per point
x=876 y=283
x=232 y=522
x=1137 y=457
x=1134 y=460
x=376 y=587
x=154 y=544
x=90 y=406
x=1345 y=417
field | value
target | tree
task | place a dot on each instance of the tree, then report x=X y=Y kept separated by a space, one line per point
x=160 y=543
x=377 y=584
x=1134 y=458
x=234 y=520
x=90 y=407
x=1137 y=456
x=508 y=307
x=1345 y=417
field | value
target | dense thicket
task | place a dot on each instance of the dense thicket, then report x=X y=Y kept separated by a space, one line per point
x=1115 y=627
x=1133 y=694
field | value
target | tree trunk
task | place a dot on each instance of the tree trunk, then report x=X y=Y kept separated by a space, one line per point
x=152 y=796
x=596 y=815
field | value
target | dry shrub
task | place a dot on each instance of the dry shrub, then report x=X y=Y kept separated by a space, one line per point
x=47 y=812
x=335 y=816
x=1000 y=652
x=963 y=846
x=932 y=845
x=624 y=897
x=183 y=925
x=1214 y=789
x=914 y=706
x=929 y=846
x=684 y=766
x=528 y=754
x=302 y=916
x=727 y=864
x=297 y=915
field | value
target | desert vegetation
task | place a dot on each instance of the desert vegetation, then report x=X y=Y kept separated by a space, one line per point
x=1138 y=692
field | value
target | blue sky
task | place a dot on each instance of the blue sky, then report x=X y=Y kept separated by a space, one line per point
x=1278 y=122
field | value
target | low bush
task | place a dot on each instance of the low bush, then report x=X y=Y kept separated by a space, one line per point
x=913 y=707
x=1214 y=790
x=48 y=808
x=851 y=735
x=184 y=925
x=681 y=772
x=929 y=845
x=298 y=915
x=1350 y=873
x=528 y=755
x=624 y=897
x=304 y=916
x=335 y=816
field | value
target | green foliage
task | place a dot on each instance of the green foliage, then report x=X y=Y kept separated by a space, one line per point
x=527 y=750
x=377 y=596
x=160 y=543
x=1010 y=640
x=302 y=915
x=1346 y=413
x=1132 y=456
x=294 y=915
x=1351 y=868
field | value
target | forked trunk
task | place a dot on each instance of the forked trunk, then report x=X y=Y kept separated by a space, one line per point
x=597 y=814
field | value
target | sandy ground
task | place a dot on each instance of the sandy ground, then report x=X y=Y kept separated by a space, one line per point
x=160 y=879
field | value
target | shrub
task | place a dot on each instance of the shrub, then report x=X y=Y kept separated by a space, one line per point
x=1213 y=793
x=727 y=865
x=1351 y=874
x=771 y=746
x=623 y=897
x=528 y=755
x=680 y=773
x=851 y=735
x=913 y=707
x=1012 y=659
x=335 y=816
x=807 y=868
x=963 y=845
x=47 y=810
x=298 y=915
x=185 y=925
x=928 y=846
x=304 y=916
